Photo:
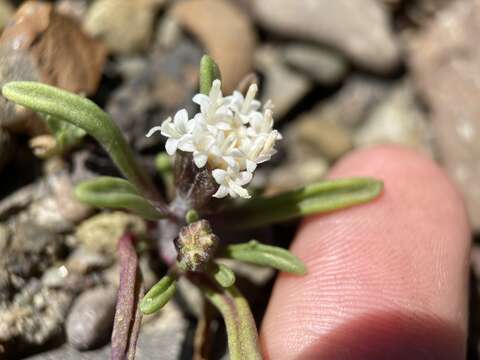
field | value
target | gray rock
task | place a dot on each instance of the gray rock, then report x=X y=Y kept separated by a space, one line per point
x=162 y=83
x=295 y=174
x=445 y=61
x=90 y=321
x=162 y=336
x=35 y=315
x=324 y=65
x=313 y=136
x=282 y=86
x=360 y=29
x=398 y=119
x=352 y=104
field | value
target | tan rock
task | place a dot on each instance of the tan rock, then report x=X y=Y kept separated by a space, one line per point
x=101 y=232
x=126 y=26
x=359 y=29
x=226 y=33
x=445 y=59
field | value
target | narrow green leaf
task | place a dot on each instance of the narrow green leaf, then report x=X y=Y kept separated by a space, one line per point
x=159 y=295
x=222 y=274
x=209 y=71
x=115 y=193
x=266 y=255
x=66 y=134
x=241 y=329
x=85 y=114
x=321 y=197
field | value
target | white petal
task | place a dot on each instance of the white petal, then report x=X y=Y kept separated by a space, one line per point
x=251 y=166
x=201 y=99
x=221 y=192
x=244 y=178
x=200 y=160
x=219 y=175
x=236 y=189
x=153 y=130
x=181 y=118
x=171 y=146
x=186 y=144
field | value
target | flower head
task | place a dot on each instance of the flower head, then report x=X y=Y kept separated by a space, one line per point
x=231 y=134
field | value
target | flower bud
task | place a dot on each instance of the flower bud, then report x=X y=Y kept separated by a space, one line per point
x=196 y=245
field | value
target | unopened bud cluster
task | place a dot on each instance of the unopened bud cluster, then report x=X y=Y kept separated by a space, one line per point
x=196 y=245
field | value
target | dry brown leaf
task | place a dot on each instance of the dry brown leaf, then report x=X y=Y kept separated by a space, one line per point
x=64 y=55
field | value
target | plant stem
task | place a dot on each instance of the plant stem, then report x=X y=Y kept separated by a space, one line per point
x=241 y=329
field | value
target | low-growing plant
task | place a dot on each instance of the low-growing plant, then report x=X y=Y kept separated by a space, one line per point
x=210 y=160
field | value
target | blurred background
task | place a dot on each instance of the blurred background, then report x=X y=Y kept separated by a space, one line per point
x=342 y=74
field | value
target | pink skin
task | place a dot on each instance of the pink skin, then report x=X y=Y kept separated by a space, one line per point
x=386 y=280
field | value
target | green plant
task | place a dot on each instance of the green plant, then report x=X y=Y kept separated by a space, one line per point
x=216 y=154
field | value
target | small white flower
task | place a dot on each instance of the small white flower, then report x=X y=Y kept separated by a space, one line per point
x=231 y=182
x=230 y=134
x=178 y=132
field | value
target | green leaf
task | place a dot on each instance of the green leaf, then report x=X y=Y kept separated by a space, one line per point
x=159 y=295
x=115 y=193
x=209 y=72
x=85 y=114
x=321 y=197
x=241 y=330
x=222 y=274
x=266 y=255
x=66 y=134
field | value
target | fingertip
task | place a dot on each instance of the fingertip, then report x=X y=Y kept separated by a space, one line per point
x=404 y=256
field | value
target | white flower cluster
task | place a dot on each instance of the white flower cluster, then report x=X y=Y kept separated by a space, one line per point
x=229 y=133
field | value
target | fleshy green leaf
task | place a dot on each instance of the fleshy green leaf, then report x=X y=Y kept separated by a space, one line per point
x=266 y=255
x=222 y=274
x=115 y=193
x=241 y=330
x=158 y=295
x=209 y=72
x=321 y=197
x=66 y=134
x=85 y=114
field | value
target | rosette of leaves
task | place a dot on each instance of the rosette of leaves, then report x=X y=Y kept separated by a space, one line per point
x=187 y=223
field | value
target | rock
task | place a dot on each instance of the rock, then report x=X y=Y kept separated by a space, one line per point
x=225 y=31
x=101 y=232
x=155 y=88
x=445 y=62
x=82 y=261
x=32 y=250
x=6 y=12
x=359 y=29
x=76 y=9
x=90 y=321
x=353 y=103
x=165 y=333
x=398 y=119
x=168 y=331
x=325 y=66
x=126 y=26
x=318 y=138
x=284 y=87
x=34 y=316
